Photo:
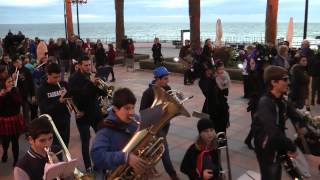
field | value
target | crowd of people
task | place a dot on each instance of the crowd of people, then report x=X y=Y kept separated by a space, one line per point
x=42 y=78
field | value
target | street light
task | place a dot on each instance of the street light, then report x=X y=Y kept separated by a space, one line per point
x=77 y=2
x=305 y=27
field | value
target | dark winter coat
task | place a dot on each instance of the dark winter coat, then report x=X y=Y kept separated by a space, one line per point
x=215 y=104
x=299 y=83
x=189 y=163
x=269 y=126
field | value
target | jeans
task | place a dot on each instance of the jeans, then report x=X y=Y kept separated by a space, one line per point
x=166 y=161
x=26 y=112
x=64 y=131
x=269 y=169
x=83 y=125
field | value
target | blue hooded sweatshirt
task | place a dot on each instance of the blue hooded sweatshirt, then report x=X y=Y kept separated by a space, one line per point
x=106 y=151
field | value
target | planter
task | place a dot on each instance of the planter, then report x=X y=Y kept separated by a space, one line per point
x=235 y=73
x=137 y=58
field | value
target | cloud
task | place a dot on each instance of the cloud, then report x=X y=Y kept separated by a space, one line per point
x=172 y=4
x=28 y=3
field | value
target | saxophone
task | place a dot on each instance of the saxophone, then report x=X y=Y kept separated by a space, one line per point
x=145 y=143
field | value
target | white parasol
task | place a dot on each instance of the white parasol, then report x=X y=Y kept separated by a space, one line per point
x=218 y=33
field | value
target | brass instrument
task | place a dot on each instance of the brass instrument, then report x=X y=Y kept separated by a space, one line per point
x=70 y=104
x=47 y=150
x=77 y=173
x=145 y=143
x=104 y=86
x=105 y=101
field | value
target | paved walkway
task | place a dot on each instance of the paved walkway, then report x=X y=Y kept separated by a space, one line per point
x=183 y=130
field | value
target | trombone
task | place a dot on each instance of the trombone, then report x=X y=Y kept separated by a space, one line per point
x=77 y=173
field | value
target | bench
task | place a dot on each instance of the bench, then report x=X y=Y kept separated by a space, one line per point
x=177 y=43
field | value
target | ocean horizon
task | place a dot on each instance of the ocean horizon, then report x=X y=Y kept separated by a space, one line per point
x=145 y=32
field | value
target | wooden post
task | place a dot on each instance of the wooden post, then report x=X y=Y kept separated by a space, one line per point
x=194 y=15
x=271 y=21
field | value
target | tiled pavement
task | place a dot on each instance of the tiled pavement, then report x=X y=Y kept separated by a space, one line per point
x=183 y=130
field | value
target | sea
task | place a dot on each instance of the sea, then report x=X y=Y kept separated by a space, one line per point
x=145 y=32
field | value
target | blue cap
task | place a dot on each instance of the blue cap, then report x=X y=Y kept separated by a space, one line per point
x=160 y=72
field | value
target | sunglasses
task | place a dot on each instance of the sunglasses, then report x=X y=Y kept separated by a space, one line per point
x=285 y=79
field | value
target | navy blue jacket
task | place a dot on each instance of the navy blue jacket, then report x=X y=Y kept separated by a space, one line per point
x=106 y=151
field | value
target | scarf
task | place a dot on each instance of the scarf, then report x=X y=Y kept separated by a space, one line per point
x=223 y=81
x=200 y=158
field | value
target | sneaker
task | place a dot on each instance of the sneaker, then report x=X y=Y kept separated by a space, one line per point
x=113 y=80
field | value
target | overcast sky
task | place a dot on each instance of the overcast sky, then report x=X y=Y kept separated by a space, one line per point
x=51 y=11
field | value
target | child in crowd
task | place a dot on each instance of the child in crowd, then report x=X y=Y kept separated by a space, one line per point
x=31 y=165
x=201 y=160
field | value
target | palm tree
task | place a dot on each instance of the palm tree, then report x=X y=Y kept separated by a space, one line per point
x=68 y=18
x=119 y=6
x=194 y=15
x=271 y=21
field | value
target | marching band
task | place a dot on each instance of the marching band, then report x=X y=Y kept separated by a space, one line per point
x=124 y=147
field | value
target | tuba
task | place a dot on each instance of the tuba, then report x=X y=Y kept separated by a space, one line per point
x=145 y=143
x=78 y=175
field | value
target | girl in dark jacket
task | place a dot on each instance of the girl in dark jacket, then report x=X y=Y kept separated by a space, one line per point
x=201 y=160
x=255 y=79
x=110 y=61
x=11 y=120
x=207 y=52
x=101 y=61
x=299 y=79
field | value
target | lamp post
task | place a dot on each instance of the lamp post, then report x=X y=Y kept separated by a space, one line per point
x=77 y=2
x=305 y=27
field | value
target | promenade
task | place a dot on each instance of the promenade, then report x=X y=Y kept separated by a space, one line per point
x=183 y=130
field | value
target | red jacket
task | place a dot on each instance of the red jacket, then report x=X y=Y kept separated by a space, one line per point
x=111 y=57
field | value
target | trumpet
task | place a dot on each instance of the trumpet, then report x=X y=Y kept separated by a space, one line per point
x=70 y=105
x=103 y=85
x=77 y=173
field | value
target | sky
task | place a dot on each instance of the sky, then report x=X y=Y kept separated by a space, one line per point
x=51 y=11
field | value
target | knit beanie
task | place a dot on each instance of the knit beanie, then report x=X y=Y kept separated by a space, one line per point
x=204 y=124
x=274 y=73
